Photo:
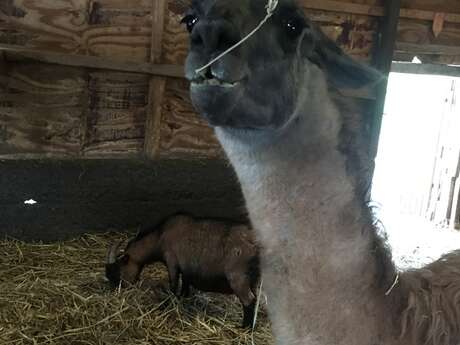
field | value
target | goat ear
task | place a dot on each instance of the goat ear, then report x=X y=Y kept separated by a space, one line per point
x=341 y=69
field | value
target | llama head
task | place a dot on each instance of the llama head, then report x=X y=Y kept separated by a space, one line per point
x=257 y=85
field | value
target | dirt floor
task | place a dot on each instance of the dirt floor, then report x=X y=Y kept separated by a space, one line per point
x=57 y=294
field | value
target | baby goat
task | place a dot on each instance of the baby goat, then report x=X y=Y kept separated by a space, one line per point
x=210 y=255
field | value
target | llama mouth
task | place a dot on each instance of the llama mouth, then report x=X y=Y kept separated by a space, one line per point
x=211 y=78
x=202 y=81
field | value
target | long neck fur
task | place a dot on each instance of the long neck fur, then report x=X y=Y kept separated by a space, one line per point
x=322 y=264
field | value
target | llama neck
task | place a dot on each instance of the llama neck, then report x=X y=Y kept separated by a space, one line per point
x=320 y=269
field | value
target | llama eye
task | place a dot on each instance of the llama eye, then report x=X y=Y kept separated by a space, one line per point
x=293 y=26
x=189 y=21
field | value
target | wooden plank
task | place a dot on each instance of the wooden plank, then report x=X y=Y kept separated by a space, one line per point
x=85 y=27
x=428 y=15
x=389 y=31
x=157 y=84
x=414 y=31
x=355 y=34
x=416 y=38
x=40 y=110
x=372 y=10
x=116 y=116
x=117 y=28
x=421 y=33
x=175 y=38
x=166 y=70
x=428 y=49
x=450 y=6
x=414 y=9
x=176 y=48
x=94 y=62
x=414 y=68
x=117 y=102
x=183 y=131
x=344 y=7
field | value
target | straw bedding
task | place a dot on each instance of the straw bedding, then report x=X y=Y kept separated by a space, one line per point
x=57 y=294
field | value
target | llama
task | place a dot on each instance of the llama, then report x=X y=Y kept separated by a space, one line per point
x=328 y=275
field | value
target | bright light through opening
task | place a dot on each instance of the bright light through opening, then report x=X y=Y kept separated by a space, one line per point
x=419 y=150
x=30 y=202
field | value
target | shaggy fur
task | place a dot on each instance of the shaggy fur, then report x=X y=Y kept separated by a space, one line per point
x=432 y=313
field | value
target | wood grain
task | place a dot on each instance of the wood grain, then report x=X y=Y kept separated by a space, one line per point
x=85 y=61
x=416 y=38
x=452 y=6
x=66 y=112
x=410 y=9
x=156 y=84
x=175 y=38
x=79 y=27
x=113 y=105
x=353 y=33
x=40 y=110
x=184 y=132
x=116 y=118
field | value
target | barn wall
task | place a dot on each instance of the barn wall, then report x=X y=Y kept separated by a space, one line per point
x=76 y=196
x=54 y=115
x=102 y=113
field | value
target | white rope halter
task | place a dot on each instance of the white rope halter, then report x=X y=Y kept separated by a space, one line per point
x=270 y=7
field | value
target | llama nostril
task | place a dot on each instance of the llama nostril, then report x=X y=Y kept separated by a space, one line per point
x=208 y=74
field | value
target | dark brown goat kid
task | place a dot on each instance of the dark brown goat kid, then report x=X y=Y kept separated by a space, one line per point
x=210 y=255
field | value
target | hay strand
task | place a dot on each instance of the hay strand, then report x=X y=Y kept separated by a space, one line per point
x=57 y=294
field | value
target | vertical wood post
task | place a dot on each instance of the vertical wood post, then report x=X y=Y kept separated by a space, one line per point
x=157 y=84
x=455 y=216
x=383 y=59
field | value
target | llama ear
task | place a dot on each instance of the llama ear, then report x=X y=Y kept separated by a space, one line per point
x=341 y=69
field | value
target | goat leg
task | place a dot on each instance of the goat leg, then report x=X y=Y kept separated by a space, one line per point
x=248 y=315
x=185 y=287
x=173 y=273
x=240 y=284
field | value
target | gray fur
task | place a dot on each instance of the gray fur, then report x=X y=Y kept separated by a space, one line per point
x=326 y=271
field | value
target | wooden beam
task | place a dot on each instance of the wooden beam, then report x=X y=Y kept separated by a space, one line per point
x=160 y=70
x=157 y=84
x=427 y=49
x=388 y=33
x=344 y=7
x=96 y=62
x=417 y=68
x=383 y=61
x=428 y=15
x=375 y=11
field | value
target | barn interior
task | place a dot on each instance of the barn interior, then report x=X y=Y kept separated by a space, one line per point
x=98 y=137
